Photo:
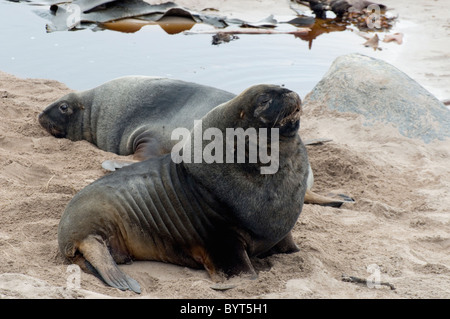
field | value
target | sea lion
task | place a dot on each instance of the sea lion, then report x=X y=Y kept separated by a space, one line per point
x=136 y=115
x=132 y=114
x=196 y=214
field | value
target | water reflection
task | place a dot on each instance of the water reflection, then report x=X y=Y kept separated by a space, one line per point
x=321 y=26
x=170 y=24
x=174 y=25
x=84 y=59
x=130 y=16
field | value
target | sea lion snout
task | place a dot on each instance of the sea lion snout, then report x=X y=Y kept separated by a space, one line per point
x=279 y=107
x=289 y=117
x=293 y=104
x=62 y=117
x=49 y=126
x=275 y=104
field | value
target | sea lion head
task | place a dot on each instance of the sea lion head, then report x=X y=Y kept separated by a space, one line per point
x=62 y=118
x=275 y=107
x=261 y=109
x=265 y=106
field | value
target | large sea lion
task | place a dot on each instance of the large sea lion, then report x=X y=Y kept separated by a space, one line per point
x=192 y=213
x=137 y=114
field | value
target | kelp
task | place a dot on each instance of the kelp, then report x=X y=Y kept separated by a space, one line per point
x=81 y=14
x=132 y=15
x=355 y=16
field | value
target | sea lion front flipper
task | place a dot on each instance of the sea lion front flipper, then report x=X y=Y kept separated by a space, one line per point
x=313 y=198
x=112 y=165
x=284 y=246
x=146 y=145
x=96 y=253
x=227 y=259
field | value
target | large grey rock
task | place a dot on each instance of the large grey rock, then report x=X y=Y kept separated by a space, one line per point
x=379 y=91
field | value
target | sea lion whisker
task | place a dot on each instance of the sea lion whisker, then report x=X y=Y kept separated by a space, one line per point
x=278 y=116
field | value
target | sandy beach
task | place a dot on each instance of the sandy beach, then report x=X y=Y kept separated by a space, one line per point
x=398 y=231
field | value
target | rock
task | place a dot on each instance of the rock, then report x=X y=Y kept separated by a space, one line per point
x=360 y=84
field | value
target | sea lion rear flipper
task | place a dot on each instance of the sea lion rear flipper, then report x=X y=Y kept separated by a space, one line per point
x=96 y=253
x=112 y=165
x=313 y=198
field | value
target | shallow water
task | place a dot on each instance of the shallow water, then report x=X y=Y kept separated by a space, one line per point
x=84 y=59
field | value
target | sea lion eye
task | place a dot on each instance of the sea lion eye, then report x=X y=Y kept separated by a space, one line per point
x=64 y=107
x=263 y=103
x=264 y=99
